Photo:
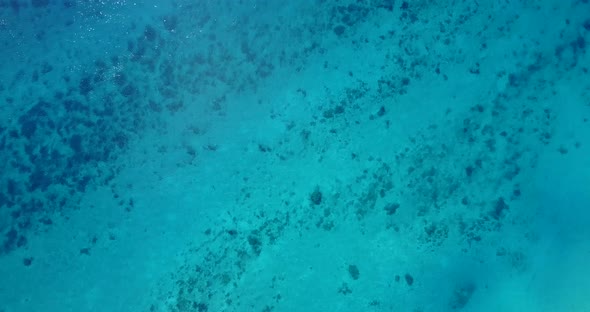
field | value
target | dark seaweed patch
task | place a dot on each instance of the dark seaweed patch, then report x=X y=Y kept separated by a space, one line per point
x=353 y=271
x=39 y=3
x=76 y=143
x=28 y=128
x=74 y=106
x=39 y=180
x=499 y=207
x=82 y=183
x=339 y=30
x=149 y=33
x=120 y=79
x=129 y=91
x=170 y=23
x=12 y=240
x=46 y=68
x=12 y=188
x=409 y=279
x=85 y=86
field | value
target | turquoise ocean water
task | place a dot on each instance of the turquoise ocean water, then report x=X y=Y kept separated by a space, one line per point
x=269 y=156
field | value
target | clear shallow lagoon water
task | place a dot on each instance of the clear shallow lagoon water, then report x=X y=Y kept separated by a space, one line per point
x=294 y=156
